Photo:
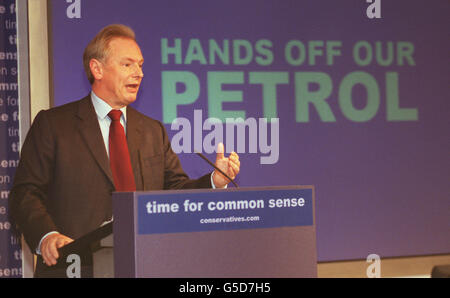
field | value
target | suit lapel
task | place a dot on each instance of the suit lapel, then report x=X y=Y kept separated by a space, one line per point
x=134 y=140
x=90 y=131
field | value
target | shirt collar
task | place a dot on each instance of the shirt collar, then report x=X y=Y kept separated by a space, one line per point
x=102 y=108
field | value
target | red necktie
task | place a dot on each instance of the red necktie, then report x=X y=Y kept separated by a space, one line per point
x=119 y=156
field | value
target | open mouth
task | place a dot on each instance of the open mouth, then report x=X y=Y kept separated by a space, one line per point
x=132 y=87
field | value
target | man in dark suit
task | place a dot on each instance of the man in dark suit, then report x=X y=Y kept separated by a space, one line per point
x=68 y=167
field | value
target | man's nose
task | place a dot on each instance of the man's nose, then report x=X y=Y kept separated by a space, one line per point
x=138 y=72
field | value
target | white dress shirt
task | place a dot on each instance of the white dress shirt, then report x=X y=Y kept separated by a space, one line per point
x=102 y=110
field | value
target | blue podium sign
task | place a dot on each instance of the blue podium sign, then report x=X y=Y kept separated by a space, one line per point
x=224 y=210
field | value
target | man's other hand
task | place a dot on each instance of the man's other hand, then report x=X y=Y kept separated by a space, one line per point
x=229 y=165
x=50 y=245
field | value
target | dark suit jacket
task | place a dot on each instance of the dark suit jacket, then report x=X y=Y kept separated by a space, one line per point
x=64 y=182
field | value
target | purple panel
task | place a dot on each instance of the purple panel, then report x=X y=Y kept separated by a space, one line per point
x=124 y=229
x=259 y=253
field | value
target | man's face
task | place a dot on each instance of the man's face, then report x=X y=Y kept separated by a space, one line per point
x=121 y=73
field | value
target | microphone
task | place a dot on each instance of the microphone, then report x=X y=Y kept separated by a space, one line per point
x=215 y=167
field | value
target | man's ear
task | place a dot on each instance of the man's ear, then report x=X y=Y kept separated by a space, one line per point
x=96 y=69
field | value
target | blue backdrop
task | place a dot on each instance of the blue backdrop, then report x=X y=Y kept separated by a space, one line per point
x=360 y=91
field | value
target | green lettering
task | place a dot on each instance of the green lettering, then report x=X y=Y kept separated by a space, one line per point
x=166 y=51
x=269 y=82
x=405 y=51
x=357 y=54
x=345 y=96
x=263 y=47
x=304 y=97
x=171 y=98
x=295 y=44
x=217 y=96
x=393 y=110
x=333 y=49
x=314 y=50
x=239 y=44
x=389 y=53
x=222 y=53
x=195 y=52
